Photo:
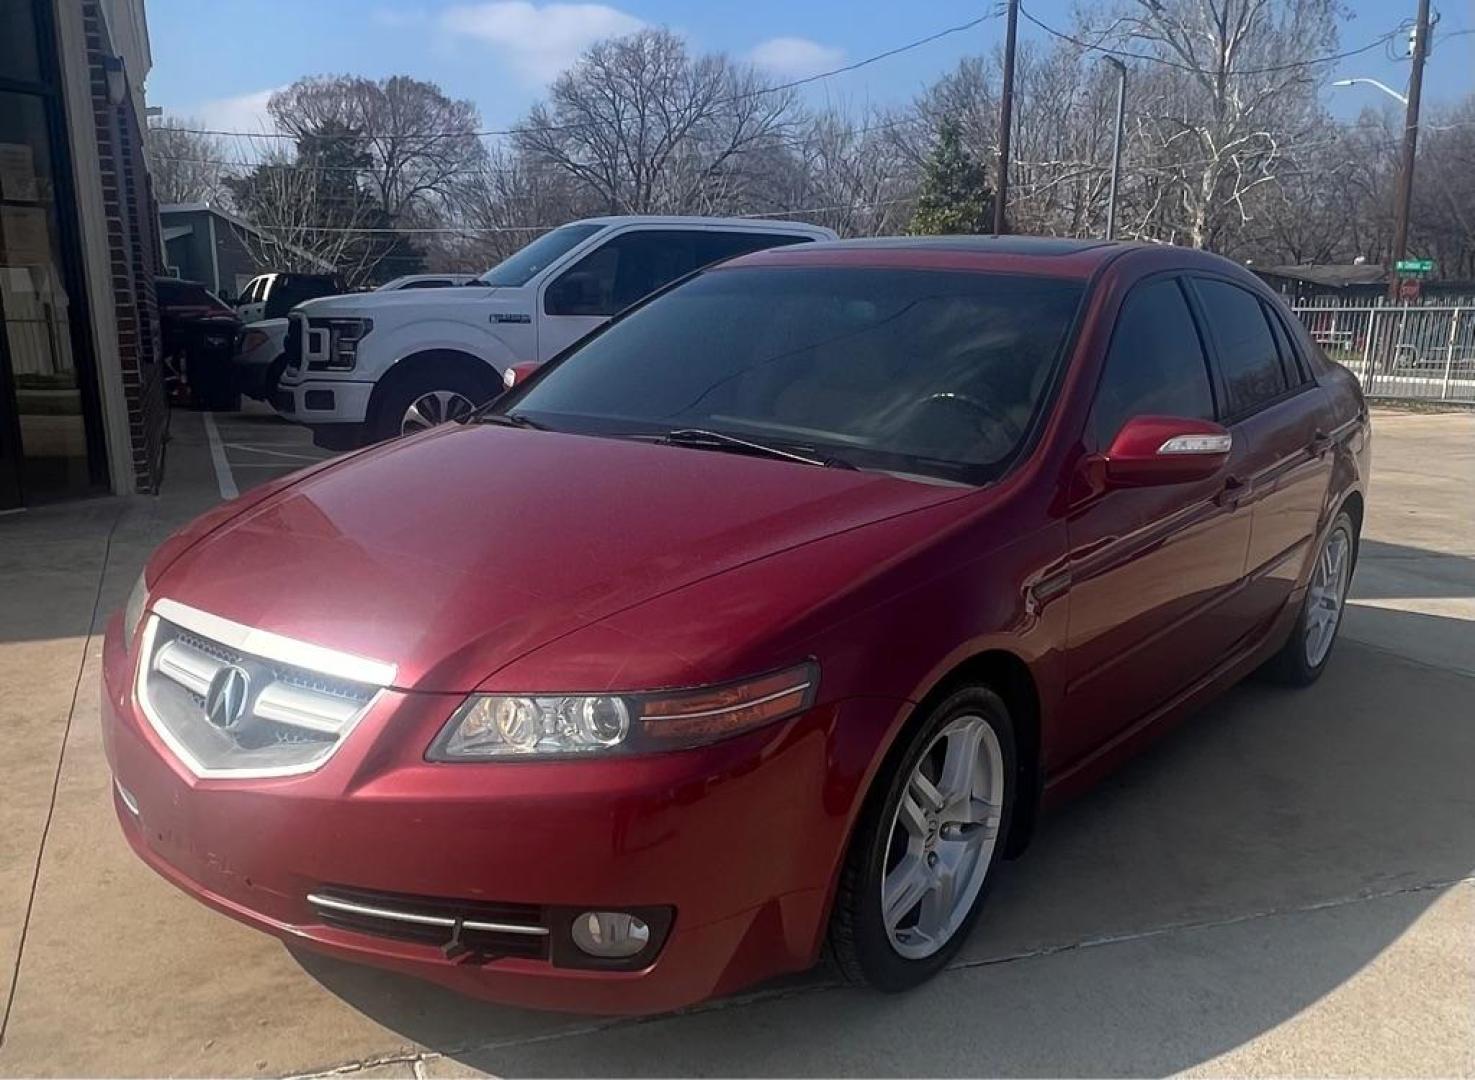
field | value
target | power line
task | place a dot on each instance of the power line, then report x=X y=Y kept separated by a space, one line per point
x=499 y=229
x=525 y=129
x=1164 y=61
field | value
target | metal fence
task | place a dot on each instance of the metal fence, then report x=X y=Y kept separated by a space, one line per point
x=1424 y=352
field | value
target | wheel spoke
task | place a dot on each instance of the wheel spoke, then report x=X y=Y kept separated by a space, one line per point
x=925 y=792
x=415 y=419
x=936 y=917
x=903 y=889
x=960 y=764
x=911 y=818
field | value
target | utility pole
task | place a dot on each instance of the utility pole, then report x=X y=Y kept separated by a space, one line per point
x=1410 y=145
x=1116 y=143
x=1006 y=116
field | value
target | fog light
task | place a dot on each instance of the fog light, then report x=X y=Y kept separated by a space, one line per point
x=613 y=935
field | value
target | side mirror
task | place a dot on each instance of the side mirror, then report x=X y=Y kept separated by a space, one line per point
x=518 y=373
x=1153 y=450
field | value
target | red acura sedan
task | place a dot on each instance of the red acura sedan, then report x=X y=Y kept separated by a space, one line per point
x=764 y=621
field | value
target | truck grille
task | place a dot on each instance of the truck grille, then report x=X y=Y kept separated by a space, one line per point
x=292 y=346
x=232 y=701
x=487 y=929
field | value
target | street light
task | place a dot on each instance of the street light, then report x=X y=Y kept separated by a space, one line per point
x=1116 y=144
x=1380 y=85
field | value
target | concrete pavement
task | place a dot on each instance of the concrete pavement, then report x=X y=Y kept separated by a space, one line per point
x=1286 y=885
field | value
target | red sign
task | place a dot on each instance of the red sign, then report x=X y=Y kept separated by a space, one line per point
x=1408 y=289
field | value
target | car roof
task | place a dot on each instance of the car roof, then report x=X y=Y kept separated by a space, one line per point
x=692 y=221
x=1051 y=256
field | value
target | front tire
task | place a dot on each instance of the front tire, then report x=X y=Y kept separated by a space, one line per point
x=431 y=394
x=927 y=844
x=1304 y=656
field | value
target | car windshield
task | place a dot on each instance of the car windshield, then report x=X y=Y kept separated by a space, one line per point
x=519 y=268
x=923 y=372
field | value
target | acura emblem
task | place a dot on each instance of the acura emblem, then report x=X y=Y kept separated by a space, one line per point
x=225 y=701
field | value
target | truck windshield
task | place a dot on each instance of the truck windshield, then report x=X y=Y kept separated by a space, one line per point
x=518 y=269
x=932 y=373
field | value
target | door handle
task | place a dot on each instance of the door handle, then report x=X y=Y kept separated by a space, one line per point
x=1321 y=442
x=1232 y=492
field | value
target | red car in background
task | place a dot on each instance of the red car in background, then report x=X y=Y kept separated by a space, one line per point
x=769 y=615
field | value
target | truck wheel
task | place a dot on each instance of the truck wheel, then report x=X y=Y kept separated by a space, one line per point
x=431 y=394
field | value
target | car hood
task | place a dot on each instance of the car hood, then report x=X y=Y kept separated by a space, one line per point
x=455 y=552
x=416 y=300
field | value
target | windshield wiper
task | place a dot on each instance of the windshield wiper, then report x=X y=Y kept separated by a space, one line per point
x=509 y=420
x=717 y=440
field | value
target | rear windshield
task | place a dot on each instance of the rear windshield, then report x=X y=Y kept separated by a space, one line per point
x=931 y=373
x=518 y=269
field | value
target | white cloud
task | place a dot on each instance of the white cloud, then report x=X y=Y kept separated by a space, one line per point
x=244 y=112
x=796 y=57
x=539 y=41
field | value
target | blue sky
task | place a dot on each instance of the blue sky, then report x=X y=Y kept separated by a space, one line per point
x=218 y=62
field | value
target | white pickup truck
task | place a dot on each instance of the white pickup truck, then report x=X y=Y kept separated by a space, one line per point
x=374 y=365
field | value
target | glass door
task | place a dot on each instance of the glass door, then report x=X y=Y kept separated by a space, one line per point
x=49 y=430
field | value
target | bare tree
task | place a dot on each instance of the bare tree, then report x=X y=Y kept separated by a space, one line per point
x=185 y=165
x=645 y=128
x=417 y=143
x=1231 y=91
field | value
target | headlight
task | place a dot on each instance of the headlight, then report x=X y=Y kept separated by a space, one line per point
x=138 y=601
x=516 y=726
x=250 y=341
x=344 y=336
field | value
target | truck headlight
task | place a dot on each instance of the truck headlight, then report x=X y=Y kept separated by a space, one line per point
x=344 y=336
x=573 y=725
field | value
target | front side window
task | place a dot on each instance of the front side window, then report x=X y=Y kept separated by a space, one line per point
x=1155 y=365
x=929 y=373
x=1248 y=360
x=615 y=275
x=519 y=268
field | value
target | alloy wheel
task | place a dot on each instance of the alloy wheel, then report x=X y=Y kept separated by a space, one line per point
x=942 y=838
x=435 y=407
x=1327 y=595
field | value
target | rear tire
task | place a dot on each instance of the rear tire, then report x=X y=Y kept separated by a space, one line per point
x=1304 y=656
x=920 y=831
x=435 y=392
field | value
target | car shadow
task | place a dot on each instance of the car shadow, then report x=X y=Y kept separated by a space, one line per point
x=1251 y=862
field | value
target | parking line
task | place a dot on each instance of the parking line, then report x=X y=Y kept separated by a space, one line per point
x=223 y=478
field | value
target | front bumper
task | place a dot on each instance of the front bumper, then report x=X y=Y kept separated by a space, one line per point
x=742 y=839
x=323 y=401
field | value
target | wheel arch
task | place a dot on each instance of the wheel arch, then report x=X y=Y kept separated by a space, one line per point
x=1010 y=676
x=412 y=364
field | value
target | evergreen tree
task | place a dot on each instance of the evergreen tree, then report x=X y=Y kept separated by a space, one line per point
x=955 y=195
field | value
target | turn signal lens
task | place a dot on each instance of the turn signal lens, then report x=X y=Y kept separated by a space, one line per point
x=716 y=712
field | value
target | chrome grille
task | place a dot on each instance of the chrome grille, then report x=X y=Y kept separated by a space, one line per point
x=477 y=927
x=238 y=707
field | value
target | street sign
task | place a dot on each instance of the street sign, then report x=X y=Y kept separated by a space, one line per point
x=1414 y=266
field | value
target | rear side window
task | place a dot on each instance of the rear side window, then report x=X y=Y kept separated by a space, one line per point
x=1248 y=359
x=711 y=247
x=1290 y=361
x=1155 y=365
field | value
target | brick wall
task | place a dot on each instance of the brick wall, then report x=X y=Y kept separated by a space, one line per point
x=133 y=247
